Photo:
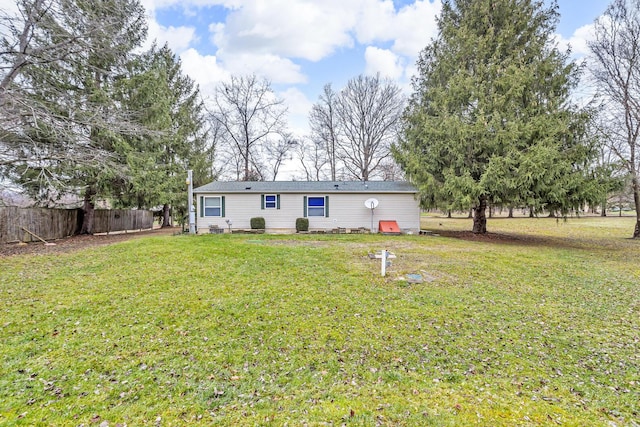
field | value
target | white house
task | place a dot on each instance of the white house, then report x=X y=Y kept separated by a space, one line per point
x=327 y=204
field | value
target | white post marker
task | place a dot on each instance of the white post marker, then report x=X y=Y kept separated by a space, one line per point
x=383 y=265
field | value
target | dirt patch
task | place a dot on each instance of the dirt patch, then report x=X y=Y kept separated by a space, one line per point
x=487 y=237
x=513 y=239
x=77 y=243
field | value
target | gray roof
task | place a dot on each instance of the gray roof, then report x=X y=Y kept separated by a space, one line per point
x=306 y=187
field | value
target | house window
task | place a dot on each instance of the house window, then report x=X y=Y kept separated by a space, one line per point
x=212 y=206
x=270 y=201
x=315 y=206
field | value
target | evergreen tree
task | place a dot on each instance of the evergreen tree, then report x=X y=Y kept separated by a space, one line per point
x=61 y=126
x=490 y=120
x=168 y=104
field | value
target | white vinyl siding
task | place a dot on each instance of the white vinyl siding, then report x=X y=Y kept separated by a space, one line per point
x=346 y=210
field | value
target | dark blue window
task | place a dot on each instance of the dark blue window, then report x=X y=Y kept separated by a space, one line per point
x=315 y=206
x=270 y=201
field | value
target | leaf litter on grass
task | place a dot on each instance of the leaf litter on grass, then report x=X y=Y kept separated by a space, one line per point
x=202 y=330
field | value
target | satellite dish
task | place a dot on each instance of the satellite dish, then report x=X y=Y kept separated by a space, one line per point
x=371 y=203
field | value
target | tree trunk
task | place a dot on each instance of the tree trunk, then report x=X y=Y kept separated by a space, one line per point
x=247 y=173
x=449 y=213
x=166 y=215
x=480 y=216
x=531 y=212
x=88 y=211
x=635 y=182
x=510 y=211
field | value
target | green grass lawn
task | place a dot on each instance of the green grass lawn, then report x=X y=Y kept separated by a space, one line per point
x=540 y=328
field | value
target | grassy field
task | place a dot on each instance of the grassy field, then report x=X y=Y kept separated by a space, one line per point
x=537 y=326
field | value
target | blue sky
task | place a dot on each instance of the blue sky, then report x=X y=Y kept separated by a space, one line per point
x=300 y=45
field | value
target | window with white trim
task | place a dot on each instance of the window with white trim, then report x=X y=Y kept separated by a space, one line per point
x=270 y=201
x=212 y=206
x=316 y=206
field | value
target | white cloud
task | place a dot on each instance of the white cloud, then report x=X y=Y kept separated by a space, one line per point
x=415 y=25
x=178 y=38
x=308 y=30
x=203 y=69
x=410 y=28
x=409 y=72
x=578 y=41
x=375 y=21
x=275 y=68
x=265 y=37
x=190 y=4
x=8 y=6
x=383 y=61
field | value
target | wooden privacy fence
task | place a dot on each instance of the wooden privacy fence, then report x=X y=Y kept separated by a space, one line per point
x=51 y=224
x=46 y=223
x=106 y=221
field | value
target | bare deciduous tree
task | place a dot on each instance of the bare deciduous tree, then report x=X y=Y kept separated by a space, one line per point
x=252 y=120
x=278 y=152
x=616 y=70
x=369 y=109
x=324 y=123
x=355 y=128
x=313 y=159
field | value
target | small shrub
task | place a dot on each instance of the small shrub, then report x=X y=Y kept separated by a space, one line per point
x=257 y=223
x=302 y=224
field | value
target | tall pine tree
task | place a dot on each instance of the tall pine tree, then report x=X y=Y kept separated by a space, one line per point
x=490 y=119
x=168 y=104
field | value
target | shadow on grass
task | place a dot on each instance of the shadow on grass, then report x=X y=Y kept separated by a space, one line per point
x=541 y=241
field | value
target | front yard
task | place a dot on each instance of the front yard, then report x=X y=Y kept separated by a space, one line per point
x=536 y=325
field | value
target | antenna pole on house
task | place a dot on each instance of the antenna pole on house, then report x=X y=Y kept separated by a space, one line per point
x=372 y=208
x=191 y=208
